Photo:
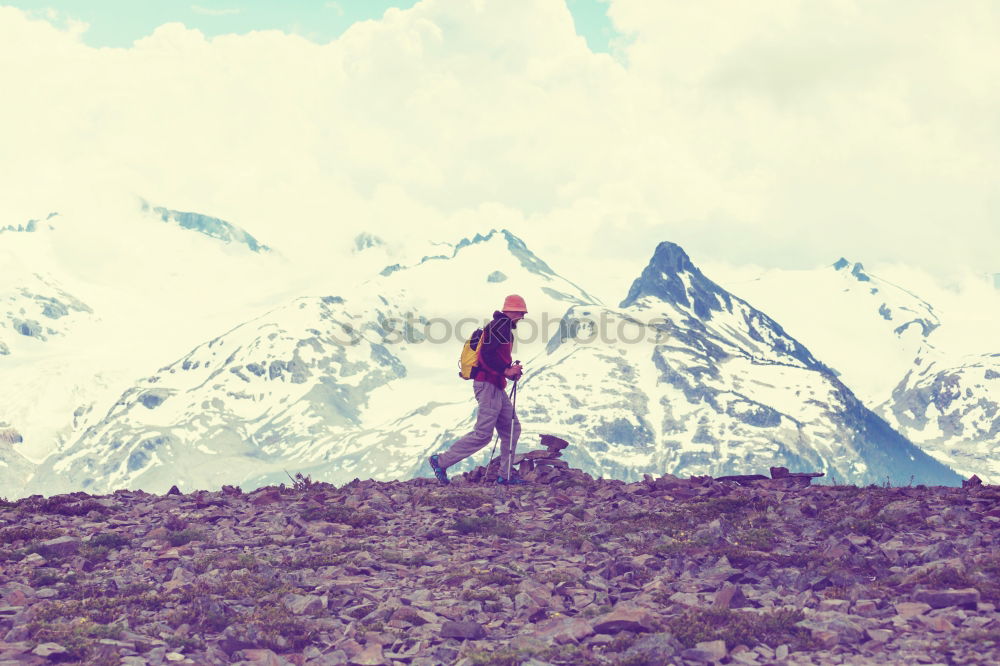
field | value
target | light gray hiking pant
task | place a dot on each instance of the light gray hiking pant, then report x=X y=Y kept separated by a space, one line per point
x=495 y=412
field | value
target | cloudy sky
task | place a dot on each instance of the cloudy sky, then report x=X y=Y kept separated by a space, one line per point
x=778 y=133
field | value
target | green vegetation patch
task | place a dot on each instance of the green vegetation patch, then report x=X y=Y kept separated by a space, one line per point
x=12 y=535
x=109 y=540
x=185 y=536
x=277 y=628
x=404 y=558
x=484 y=525
x=80 y=637
x=750 y=628
x=342 y=514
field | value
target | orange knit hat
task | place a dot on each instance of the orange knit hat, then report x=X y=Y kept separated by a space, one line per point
x=514 y=303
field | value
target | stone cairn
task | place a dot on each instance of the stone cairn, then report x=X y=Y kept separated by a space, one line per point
x=538 y=466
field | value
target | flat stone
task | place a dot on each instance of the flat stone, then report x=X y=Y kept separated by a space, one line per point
x=729 y=596
x=34 y=560
x=945 y=598
x=716 y=648
x=413 y=616
x=263 y=657
x=825 y=637
x=371 y=655
x=879 y=635
x=846 y=629
x=865 y=607
x=623 y=619
x=266 y=497
x=685 y=599
x=563 y=630
x=908 y=609
x=697 y=654
x=838 y=605
x=303 y=604
x=462 y=630
x=936 y=623
x=61 y=546
x=48 y=650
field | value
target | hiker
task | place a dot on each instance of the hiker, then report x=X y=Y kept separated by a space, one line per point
x=492 y=369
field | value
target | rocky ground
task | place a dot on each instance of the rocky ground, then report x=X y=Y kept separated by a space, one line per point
x=568 y=570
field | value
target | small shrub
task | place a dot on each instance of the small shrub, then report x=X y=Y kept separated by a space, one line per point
x=109 y=539
x=756 y=538
x=80 y=637
x=497 y=577
x=44 y=577
x=502 y=657
x=94 y=554
x=480 y=594
x=339 y=513
x=407 y=559
x=278 y=628
x=555 y=576
x=184 y=536
x=593 y=610
x=186 y=643
x=201 y=611
x=11 y=535
x=750 y=628
x=484 y=525
x=302 y=481
x=865 y=526
x=175 y=523
x=74 y=504
x=571 y=655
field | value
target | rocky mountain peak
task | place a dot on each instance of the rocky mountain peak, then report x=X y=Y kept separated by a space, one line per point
x=671 y=276
x=212 y=227
x=366 y=240
x=31 y=226
x=857 y=269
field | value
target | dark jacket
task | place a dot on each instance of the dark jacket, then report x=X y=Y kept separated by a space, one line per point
x=495 y=350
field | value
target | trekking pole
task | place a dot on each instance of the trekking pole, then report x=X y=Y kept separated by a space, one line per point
x=513 y=413
x=486 y=474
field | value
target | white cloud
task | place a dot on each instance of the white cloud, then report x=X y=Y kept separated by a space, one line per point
x=335 y=6
x=209 y=11
x=780 y=133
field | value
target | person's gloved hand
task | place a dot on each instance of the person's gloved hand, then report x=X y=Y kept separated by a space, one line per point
x=514 y=372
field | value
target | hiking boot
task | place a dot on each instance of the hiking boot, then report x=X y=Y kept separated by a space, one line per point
x=439 y=472
x=512 y=481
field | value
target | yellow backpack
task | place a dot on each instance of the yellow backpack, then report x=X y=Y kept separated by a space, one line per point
x=469 y=360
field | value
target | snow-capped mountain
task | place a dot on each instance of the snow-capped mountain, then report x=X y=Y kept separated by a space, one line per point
x=713 y=386
x=952 y=411
x=244 y=403
x=358 y=385
x=91 y=299
x=865 y=328
x=903 y=356
x=322 y=381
